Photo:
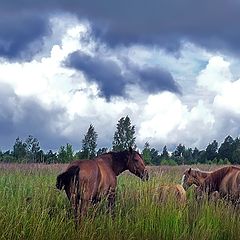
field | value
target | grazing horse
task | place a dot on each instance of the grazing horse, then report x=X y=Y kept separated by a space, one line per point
x=173 y=192
x=193 y=176
x=86 y=181
x=225 y=181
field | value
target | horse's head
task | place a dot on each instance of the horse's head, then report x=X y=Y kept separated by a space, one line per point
x=189 y=178
x=135 y=164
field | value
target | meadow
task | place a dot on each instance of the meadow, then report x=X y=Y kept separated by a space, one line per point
x=32 y=208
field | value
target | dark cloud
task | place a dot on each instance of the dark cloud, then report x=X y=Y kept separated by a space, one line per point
x=105 y=72
x=213 y=24
x=155 y=80
x=21 y=34
x=112 y=80
x=22 y=117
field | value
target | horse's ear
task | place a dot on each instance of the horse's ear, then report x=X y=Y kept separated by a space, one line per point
x=189 y=170
x=130 y=150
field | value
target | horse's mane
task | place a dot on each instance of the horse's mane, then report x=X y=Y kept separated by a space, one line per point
x=197 y=171
x=119 y=156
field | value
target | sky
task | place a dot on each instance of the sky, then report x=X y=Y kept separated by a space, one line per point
x=172 y=66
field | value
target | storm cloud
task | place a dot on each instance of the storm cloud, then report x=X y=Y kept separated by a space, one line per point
x=21 y=34
x=212 y=24
x=171 y=66
x=105 y=72
x=112 y=80
x=25 y=116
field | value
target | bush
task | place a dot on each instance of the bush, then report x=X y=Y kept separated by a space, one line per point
x=169 y=162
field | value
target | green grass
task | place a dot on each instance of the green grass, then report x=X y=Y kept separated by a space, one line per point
x=31 y=208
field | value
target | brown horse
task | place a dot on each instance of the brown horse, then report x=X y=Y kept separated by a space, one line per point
x=225 y=181
x=173 y=192
x=194 y=176
x=88 y=180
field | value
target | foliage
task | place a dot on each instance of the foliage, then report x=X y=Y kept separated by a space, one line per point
x=19 y=150
x=89 y=143
x=65 y=154
x=32 y=148
x=124 y=136
x=165 y=154
x=169 y=162
x=146 y=154
x=211 y=150
x=101 y=151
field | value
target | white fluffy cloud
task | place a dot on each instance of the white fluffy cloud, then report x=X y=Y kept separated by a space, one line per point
x=209 y=90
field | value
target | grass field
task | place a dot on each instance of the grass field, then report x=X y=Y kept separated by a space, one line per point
x=31 y=208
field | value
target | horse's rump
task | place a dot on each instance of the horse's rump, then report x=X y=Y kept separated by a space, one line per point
x=225 y=180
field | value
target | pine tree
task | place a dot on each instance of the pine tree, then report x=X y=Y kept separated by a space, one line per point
x=226 y=149
x=89 y=143
x=62 y=155
x=124 y=135
x=211 y=150
x=146 y=153
x=165 y=154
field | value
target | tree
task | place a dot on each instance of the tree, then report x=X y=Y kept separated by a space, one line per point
x=155 y=157
x=226 y=149
x=19 y=150
x=195 y=155
x=211 y=150
x=165 y=154
x=101 y=151
x=146 y=153
x=188 y=156
x=69 y=152
x=33 y=147
x=62 y=155
x=178 y=154
x=50 y=157
x=124 y=135
x=89 y=143
x=236 y=156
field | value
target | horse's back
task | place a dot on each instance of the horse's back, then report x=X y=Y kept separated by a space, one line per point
x=174 y=192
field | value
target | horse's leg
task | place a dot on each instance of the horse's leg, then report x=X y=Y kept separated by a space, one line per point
x=111 y=201
x=75 y=206
x=85 y=200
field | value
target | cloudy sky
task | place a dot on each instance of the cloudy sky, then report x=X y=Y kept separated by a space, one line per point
x=172 y=66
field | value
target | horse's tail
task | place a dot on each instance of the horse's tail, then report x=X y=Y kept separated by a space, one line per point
x=66 y=177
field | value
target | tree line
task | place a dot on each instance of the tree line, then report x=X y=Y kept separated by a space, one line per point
x=29 y=151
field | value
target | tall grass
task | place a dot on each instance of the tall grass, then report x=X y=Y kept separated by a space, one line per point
x=31 y=208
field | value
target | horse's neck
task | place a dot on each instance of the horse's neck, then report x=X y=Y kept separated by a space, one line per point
x=202 y=175
x=117 y=165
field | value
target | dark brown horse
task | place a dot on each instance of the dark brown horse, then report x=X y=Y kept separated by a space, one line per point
x=88 y=180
